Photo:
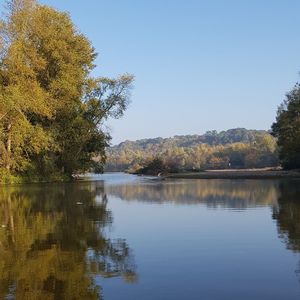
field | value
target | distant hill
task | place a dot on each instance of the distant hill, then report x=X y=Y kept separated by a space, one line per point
x=236 y=135
x=127 y=153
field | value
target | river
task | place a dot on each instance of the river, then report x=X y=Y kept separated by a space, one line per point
x=118 y=236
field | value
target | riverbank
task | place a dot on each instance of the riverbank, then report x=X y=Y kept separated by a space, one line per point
x=237 y=174
x=7 y=179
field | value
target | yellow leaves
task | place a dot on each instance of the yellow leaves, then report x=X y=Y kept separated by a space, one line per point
x=45 y=88
x=28 y=98
x=259 y=153
x=38 y=140
x=39 y=74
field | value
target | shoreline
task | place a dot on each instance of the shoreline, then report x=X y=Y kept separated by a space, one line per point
x=266 y=173
x=236 y=174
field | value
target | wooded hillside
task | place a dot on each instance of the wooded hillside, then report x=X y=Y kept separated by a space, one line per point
x=234 y=148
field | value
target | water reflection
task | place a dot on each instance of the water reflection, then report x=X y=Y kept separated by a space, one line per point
x=287 y=216
x=54 y=239
x=232 y=194
x=53 y=242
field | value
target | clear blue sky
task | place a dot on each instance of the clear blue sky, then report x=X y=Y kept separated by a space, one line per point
x=199 y=65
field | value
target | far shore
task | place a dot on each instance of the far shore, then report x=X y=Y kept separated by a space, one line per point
x=237 y=174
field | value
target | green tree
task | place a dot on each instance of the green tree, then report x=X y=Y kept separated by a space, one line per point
x=51 y=108
x=287 y=129
x=21 y=94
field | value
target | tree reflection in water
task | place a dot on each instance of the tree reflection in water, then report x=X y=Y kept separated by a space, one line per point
x=287 y=215
x=232 y=194
x=53 y=242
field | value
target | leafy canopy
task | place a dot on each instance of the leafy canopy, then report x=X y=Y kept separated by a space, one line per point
x=287 y=129
x=51 y=108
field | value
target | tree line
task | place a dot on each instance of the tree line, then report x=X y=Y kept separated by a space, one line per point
x=235 y=148
x=51 y=108
x=52 y=111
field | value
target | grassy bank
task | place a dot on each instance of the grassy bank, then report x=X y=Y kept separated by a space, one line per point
x=6 y=178
x=237 y=174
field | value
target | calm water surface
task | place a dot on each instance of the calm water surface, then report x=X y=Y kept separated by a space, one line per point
x=123 y=237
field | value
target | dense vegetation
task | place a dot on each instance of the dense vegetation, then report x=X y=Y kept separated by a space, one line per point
x=51 y=108
x=234 y=148
x=287 y=129
x=52 y=111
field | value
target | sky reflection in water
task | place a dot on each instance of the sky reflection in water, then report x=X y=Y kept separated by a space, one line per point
x=123 y=237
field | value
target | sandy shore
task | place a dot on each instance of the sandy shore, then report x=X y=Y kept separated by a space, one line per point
x=237 y=174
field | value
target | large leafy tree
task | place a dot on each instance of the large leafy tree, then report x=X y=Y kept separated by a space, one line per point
x=287 y=129
x=51 y=109
x=21 y=94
